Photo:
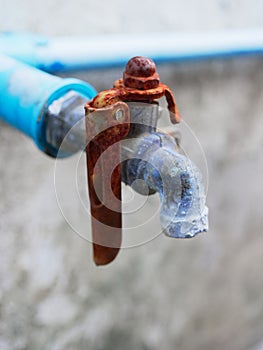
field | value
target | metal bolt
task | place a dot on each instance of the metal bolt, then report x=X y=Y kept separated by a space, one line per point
x=140 y=73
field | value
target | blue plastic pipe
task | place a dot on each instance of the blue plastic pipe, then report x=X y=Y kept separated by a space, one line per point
x=77 y=53
x=26 y=93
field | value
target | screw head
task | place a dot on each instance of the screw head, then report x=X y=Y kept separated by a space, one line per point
x=119 y=114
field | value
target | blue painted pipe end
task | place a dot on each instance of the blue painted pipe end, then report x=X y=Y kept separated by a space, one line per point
x=26 y=93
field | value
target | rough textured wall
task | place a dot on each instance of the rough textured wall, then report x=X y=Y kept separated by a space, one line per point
x=198 y=294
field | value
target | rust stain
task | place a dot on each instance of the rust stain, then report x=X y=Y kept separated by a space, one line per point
x=104 y=178
x=140 y=74
x=140 y=82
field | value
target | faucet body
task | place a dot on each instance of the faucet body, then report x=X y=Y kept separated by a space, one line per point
x=150 y=159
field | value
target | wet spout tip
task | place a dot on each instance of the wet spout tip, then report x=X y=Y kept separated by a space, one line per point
x=187 y=228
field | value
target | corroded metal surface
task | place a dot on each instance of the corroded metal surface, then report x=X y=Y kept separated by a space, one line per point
x=105 y=127
x=140 y=73
x=140 y=83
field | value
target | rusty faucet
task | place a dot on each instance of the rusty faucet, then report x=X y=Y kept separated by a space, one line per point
x=123 y=144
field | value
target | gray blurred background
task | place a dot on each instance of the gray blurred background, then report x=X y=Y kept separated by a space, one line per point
x=199 y=294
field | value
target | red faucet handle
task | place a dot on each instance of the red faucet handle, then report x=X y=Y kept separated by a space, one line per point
x=105 y=127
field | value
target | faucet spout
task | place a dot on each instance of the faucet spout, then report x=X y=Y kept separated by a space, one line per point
x=157 y=163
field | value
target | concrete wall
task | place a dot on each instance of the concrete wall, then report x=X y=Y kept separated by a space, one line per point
x=198 y=294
